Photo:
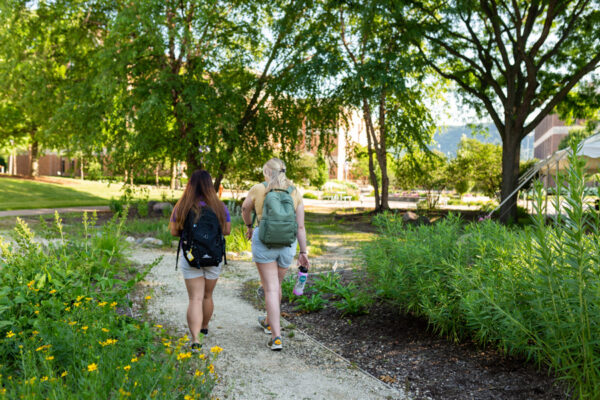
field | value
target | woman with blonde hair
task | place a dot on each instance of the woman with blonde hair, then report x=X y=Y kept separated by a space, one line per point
x=199 y=196
x=273 y=262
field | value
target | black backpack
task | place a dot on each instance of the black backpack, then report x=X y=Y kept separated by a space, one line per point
x=202 y=241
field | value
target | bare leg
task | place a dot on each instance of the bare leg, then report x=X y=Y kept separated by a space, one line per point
x=281 y=274
x=269 y=277
x=208 y=305
x=195 y=289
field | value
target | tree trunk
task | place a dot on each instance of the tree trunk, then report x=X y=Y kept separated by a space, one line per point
x=11 y=163
x=173 y=173
x=34 y=165
x=193 y=162
x=81 y=174
x=370 y=144
x=131 y=177
x=385 y=183
x=156 y=175
x=382 y=153
x=511 y=157
x=126 y=176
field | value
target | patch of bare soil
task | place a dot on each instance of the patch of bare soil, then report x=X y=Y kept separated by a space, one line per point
x=402 y=351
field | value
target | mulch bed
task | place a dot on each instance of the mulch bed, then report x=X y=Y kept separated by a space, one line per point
x=402 y=351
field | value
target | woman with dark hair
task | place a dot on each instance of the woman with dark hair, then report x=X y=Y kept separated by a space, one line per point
x=200 y=282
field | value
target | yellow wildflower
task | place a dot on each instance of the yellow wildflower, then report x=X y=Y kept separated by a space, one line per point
x=2 y=391
x=10 y=334
x=134 y=359
x=183 y=356
x=187 y=397
x=158 y=326
x=73 y=323
x=77 y=304
x=201 y=356
x=44 y=379
x=34 y=333
x=68 y=309
x=105 y=330
x=50 y=358
x=211 y=368
x=127 y=367
x=64 y=374
x=123 y=392
x=114 y=303
x=88 y=299
x=92 y=367
x=216 y=349
x=84 y=328
x=52 y=291
x=148 y=297
x=198 y=373
x=36 y=312
x=30 y=284
x=108 y=342
x=79 y=298
x=102 y=304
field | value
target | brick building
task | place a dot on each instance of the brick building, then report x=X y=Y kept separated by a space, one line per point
x=548 y=135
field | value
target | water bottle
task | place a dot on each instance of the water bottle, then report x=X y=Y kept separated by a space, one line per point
x=301 y=281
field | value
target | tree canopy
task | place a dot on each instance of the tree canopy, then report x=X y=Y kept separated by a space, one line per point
x=513 y=60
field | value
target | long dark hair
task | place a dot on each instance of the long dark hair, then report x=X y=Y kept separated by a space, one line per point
x=199 y=187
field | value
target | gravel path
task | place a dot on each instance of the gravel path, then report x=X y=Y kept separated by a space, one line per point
x=247 y=368
x=43 y=211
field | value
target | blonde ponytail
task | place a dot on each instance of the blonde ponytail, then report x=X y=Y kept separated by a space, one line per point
x=274 y=170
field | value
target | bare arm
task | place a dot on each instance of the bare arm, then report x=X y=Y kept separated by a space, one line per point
x=173 y=229
x=303 y=255
x=247 y=207
x=227 y=228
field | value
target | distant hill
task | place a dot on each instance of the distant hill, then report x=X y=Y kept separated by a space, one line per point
x=447 y=139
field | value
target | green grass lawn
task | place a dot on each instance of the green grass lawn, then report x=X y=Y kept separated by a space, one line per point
x=18 y=194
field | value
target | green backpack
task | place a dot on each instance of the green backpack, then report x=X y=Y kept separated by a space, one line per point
x=278 y=226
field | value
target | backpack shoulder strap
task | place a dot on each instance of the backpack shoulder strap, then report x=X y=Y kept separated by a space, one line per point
x=178 y=249
x=290 y=189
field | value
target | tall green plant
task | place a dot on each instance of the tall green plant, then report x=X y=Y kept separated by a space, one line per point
x=567 y=256
x=532 y=292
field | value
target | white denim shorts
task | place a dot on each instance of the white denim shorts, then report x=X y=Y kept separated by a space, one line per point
x=190 y=272
x=262 y=254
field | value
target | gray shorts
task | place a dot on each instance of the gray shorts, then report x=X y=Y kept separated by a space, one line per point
x=262 y=254
x=190 y=272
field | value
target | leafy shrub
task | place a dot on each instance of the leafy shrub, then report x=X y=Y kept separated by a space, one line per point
x=287 y=288
x=116 y=206
x=329 y=283
x=309 y=195
x=533 y=291
x=63 y=332
x=142 y=208
x=353 y=301
x=93 y=170
x=310 y=304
